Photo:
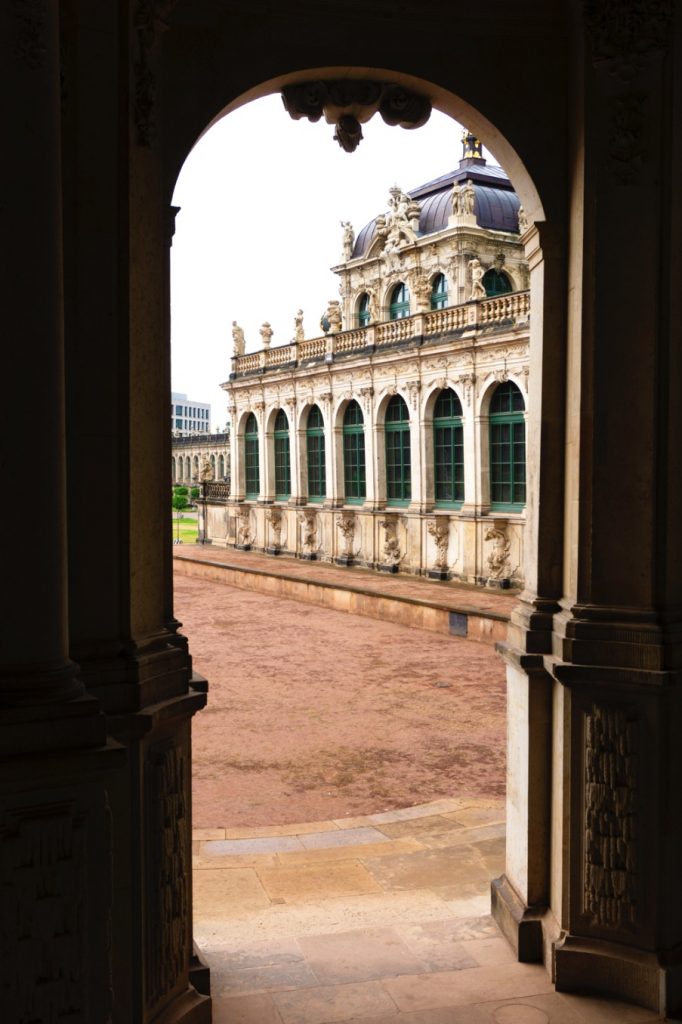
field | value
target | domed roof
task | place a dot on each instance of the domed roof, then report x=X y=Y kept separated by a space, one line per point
x=496 y=205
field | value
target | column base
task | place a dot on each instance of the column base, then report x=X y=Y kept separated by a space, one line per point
x=609 y=968
x=438 y=574
x=388 y=568
x=520 y=925
x=344 y=560
x=273 y=551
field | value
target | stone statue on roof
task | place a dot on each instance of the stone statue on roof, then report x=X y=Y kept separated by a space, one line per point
x=348 y=239
x=298 y=326
x=266 y=333
x=238 y=342
x=477 y=287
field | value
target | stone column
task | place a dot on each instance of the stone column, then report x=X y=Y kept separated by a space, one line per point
x=368 y=414
x=38 y=672
x=268 y=464
x=616 y=890
x=522 y=896
x=294 y=454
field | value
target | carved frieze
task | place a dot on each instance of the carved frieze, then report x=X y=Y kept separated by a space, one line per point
x=391 y=548
x=610 y=817
x=345 y=523
x=439 y=529
x=274 y=517
x=308 y=522
x=498 y=563
x=167 y=880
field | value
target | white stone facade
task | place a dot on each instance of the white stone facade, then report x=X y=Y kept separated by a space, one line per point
x=471 y=345
x=188 y=455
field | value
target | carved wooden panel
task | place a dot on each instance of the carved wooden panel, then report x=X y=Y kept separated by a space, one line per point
x=167 y=884
x=610 y=817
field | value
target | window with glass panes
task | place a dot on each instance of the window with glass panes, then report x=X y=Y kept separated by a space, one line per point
x=507 y=448
x=282 y=457
x=496 y=282
x=397 y=436
x=399 y=306
x=354 y=454
x=448 y=449
x=251 y=463
x=439 y=292
x=363 y=311
x=317 y=485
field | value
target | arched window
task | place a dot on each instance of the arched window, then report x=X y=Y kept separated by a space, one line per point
x=195 y=467
x=221 y=467
x=213 y=465
x=363 y=310
x=173 y=471
x=282 y=457
x=400 y=302
x=398 y=477
x=354 y=487
x=251 y=461
x=507 y=449
x=188 y=468
x=448 y=449
x=317 y=481
x=496 y=282
x=439 y=292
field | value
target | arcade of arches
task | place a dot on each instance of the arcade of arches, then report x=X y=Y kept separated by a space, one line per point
x=581 y=103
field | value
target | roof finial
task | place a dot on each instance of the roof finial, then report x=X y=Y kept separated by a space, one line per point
x=472 y=148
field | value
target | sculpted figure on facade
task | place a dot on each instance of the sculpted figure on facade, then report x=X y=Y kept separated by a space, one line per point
x=440 y=531
x=477 y=286
x=298 y=326
x=498 y=563
x=391 y=542
x=266 y=333
x=401 y=222
x=238 y=342
x=308 y=520
x=244 y=536
x=274 y=517
x=456 y=200
x=468 y=198
x=524 y=223
x=206 y=473
x=346 y=524
x=422 y=290
x=348 y=239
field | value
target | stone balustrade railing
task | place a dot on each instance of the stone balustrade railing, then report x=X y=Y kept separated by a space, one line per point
x=503 y=309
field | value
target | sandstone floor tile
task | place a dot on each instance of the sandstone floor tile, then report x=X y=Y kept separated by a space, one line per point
x=264 y=831
x=462 y=836
x=440 y=1015
x=268 y=844
x=199 y=834
x=317 y=882
x=273 y=978
x=219 y=893
x=472 y=816
x=437 y=946
x=359 y=821
x=492 y=851
x=255 y=954
x=545 y=1009
x=253 y=1009
x=452 y=867
x=470 y=889
x=362 y=954
x=204 y=857
x=433 y=824
x=342 y=837
x=489 y=951
x=594 y=1010
x=386 y=848
x=445 y=931
x=459 y=988
x=330 y=1003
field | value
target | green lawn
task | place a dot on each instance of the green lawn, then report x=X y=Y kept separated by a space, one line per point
x=185 y=528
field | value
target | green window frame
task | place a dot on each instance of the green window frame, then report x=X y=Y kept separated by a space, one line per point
x=439 y=292
x=363 y=310
x=507 y=449
x=354 y=478
x=398 y=452
x=282 y=457
x=448 y=450
x=399 y=306
x=251 y=458
x=496 y=282
x=317 y=470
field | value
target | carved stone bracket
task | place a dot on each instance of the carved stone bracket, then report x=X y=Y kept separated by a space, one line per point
x=348 y=103
x=392 y=553
x=366 y=395
x=346 y=525
x=414 y=387
x=274 y=517
x=308 y=521
x=439 y=529
x=498 y=562
x=467 y=381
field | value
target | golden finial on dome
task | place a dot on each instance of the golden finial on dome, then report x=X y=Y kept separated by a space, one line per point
x=472 y=147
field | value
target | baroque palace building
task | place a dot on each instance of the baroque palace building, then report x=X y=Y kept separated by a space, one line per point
x=397 y=440
x=189 y=456
x=581 y=102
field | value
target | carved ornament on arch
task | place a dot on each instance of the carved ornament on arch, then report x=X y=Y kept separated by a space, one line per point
x=366 y=396
x=414 y=387
x=466 y=382
x=348 y=103
x=526 y=374
x=624 y=32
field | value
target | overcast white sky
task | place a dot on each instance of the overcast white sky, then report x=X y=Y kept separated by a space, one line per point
x=261 y=198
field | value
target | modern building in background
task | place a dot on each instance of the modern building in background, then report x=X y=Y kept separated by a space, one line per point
x=189 y=416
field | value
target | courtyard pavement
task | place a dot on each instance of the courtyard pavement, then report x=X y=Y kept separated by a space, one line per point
x=382 y=919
